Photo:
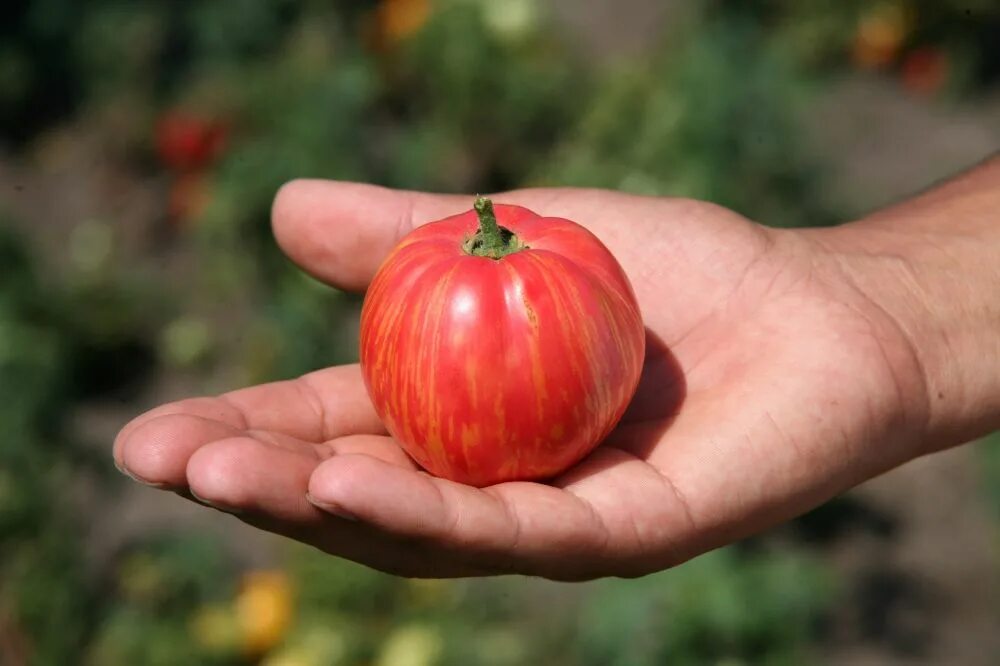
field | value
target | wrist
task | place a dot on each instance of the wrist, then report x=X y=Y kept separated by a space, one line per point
x=941 y=291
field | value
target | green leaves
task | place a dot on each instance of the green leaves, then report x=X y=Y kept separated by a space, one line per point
x=714 y=116
x=723 y=607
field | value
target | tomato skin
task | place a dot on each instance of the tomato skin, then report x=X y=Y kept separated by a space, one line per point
x=490 y=370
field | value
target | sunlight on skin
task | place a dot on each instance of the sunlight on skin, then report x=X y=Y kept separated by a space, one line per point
x=796 y=385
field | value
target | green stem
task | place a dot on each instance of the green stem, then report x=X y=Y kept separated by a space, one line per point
x=491 y=240
x=489 y=230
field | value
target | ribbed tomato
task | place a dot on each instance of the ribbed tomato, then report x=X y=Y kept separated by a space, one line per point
x=498 y=353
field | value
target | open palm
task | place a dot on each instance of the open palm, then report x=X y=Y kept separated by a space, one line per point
x=771 y=383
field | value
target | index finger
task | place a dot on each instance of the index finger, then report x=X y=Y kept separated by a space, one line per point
x=316 y=407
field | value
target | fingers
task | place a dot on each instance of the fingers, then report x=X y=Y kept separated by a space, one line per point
x=514 y=527
x=157 y=451
x=206 y=409
x=361 y=497
x=383 y=448
x=266 y=486
x=316 y=407
x=611 y=515
x=340 y=232
x=243 y=474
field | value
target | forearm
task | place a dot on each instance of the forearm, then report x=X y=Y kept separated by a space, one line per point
x=933 y=265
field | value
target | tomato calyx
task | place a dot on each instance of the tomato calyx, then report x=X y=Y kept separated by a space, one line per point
x=491 y=240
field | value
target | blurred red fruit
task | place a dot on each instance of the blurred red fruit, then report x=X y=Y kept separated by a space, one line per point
x=925 y=70
x=393 y=21
x=187 y=143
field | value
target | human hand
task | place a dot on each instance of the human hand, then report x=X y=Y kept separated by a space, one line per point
x=772 y=382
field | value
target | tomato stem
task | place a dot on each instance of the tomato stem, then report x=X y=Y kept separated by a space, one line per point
x=491 y=240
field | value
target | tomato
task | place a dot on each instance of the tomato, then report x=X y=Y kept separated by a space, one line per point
x=925 y=70
x=187 y=143
x=498 y=353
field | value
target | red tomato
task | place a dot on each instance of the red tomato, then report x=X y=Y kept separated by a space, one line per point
x=497 y=369
x=187 y=143
x=925 y=70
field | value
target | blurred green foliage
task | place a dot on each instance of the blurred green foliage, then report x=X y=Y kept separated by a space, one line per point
x=44 y=586
x=667 y=128
x=472 y=95
x=152 y=592
x=724 y=607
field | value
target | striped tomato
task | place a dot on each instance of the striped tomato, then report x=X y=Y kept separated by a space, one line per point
x=500 y=345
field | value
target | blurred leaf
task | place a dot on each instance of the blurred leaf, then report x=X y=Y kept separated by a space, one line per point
x=668 y=129
x=720 y=606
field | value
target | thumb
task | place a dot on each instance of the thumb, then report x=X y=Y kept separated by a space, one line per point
x=340 y=232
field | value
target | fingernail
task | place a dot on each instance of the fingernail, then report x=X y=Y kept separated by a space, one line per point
x=190 y=494
x=331 y=508
x=151 y=484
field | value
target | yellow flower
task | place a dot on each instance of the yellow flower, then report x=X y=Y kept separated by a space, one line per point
x=264 y=610
x=880 y=34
